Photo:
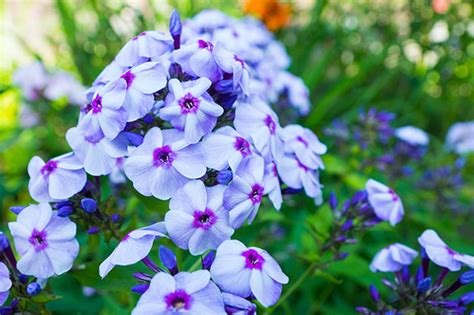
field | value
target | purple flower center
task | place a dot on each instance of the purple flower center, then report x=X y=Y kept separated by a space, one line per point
x=270 y=124
x=203 y=44
x=253 y=260
x=38 y=240
x=242 y=63
x=394 y=195
x=243 y=146
x=96 y=104
x=178 y=300
x=303 y=141
x=128 y=77
x=163 y=157
x=256 y=194
x=204 y=219
x=139 y=35
x=48 y=168
x=188 y=104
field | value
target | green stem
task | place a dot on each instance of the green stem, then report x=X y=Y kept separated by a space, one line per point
x=195 y=265
x=311 y=268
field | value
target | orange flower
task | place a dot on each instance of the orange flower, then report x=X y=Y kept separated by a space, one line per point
x=273 y=13
x=441 y=6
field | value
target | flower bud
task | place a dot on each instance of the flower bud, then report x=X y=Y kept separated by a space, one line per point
x=467 y=277
x=405 y=274
x=176 y=28
x=333 y=201
x=347 y=225
x=65 y=211
x=140 y=288
x=133 y=138
x=23 y=278
x=359 y=197
x=16 y=209
x=168 y=258
x=142 y=276
x=224 y=177
x=93 y=230
x=424 y=285
x=89 y=205
x=33 y=289
x=208 y=260
x=115 y=217
x=374 y=293
x=175 y=23
x=467 y=298
x=148 y=119
x=225 y=86
x=341 y=256
x=4 y=242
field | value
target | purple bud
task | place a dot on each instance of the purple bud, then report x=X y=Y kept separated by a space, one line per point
x=62 y=204
x=93 y=230
x=4 y=242
x=142 y=276
x=115 y=217
x=16 y=209
x=467 y=298
x=419 y=274
x=467 y=277
x=65 y=211
x=424 y=285
x=363 y=310
x=405 y=274
x=140 y=288
x=175 y=70
x=148 y=119
x=168 y=258
x=175 y=28
x=6 y=310
x=23 y=278
x=224 y=177
x=445 y=304
x=347 y=225
x=340 y=239
x=358 y=197
x=374 y=293
x=345 y=206
x=225 y=86
x=33 y=289
x=150 y=264
x=227 y=100
x=89 y=205
x=134 y=138
x=208 y=260
x=333 y=201
x=341 y=256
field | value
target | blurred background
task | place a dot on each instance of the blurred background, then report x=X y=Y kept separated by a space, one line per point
x=412 y=58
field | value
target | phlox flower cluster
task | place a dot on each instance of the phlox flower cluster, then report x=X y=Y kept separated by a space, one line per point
x=186 y=116
x=421 y=291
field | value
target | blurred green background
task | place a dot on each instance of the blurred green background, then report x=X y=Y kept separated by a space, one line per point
x=406 y=57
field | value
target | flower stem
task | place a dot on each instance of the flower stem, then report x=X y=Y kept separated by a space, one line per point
x=311 y=268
